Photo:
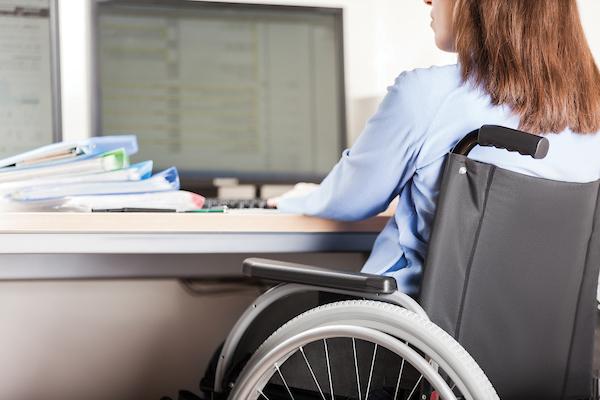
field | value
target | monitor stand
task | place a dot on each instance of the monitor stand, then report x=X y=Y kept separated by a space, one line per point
x=230 y=188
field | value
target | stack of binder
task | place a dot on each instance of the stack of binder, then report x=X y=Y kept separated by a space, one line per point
x=90 y=175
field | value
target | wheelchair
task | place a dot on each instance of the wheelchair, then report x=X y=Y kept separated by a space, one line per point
x=507 y=307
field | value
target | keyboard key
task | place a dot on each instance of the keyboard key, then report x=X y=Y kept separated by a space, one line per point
x=236 y=203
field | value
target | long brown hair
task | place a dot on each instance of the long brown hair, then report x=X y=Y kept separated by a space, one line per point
x=532 y=56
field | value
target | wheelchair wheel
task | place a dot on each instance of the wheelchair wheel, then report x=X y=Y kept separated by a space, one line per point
x=361 y=350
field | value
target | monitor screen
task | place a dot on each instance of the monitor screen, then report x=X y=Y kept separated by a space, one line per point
x=222 y=89
x=29 y=100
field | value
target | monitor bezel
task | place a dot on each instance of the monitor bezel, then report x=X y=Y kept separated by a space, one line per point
x=55 y=71
x=199 y=180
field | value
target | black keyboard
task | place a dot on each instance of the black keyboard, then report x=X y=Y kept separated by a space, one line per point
x=236 y=203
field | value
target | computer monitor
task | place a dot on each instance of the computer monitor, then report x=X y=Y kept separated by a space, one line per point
x=254 y=92
x=29 y=75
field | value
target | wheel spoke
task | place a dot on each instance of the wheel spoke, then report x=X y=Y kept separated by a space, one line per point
x=371 y=372
x=399 y=379
x=312 y=373
x=329 y=339
x=329 y=370
x=356 y=369
x=284 y=382
x=415 y=388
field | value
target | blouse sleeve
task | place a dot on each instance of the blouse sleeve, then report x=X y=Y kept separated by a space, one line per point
x=377 y=167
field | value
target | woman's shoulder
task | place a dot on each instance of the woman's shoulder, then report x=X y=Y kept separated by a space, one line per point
x=426 y=89
x=417 y=95
x=436 y=78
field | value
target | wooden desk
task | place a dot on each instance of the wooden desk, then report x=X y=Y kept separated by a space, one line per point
x=140 y=245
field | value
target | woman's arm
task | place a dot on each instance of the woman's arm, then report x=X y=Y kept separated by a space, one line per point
x=377 y=167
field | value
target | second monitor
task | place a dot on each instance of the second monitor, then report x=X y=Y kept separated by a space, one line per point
x=254 y=92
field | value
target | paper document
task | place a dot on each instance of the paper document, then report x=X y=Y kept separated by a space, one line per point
x=110 y=161
x=58 y=156
x=136 y=172
x=177 y=200
x=168 y=180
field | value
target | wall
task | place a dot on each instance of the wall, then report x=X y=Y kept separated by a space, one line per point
x=590 y=11
x=74 y=18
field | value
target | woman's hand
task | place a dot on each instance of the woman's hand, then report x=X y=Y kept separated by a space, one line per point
x=300 y=189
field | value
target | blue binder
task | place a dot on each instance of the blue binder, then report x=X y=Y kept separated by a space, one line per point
x=62 y=152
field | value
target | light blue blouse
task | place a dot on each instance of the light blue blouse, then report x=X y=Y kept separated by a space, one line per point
x=401 y=153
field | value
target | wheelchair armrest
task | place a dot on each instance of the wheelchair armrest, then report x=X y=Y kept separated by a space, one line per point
x=308 y=275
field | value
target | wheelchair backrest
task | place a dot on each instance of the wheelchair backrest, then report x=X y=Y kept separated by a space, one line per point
x=511 y=273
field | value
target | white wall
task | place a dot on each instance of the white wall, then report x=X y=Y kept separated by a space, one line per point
x=590 y=11
x=75 y=52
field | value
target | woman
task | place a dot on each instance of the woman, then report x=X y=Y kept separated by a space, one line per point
x=522 y=64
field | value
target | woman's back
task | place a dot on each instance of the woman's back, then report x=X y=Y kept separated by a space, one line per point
x=572 y=157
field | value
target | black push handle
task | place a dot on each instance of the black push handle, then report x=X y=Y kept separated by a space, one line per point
x=514 y=140
x=505 y=138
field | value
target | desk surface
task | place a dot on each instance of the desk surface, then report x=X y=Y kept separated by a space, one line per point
x=163 y=245
x=170 y=233
x=236 y=221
